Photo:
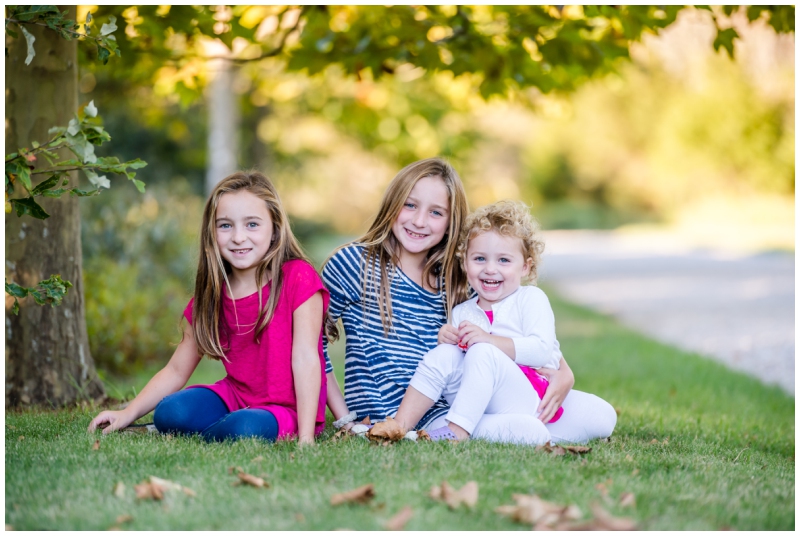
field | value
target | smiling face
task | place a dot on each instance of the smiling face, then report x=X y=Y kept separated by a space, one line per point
x=495 y=266
x=244 y=230
x=424 y=218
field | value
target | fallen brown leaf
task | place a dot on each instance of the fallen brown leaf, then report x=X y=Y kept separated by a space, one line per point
x=389 y=430
x=609 y=522
x=258 y=459
x=577 y=449
x=634 y=472
x=468 y=494
x=541 y=514
x=399 y=520
x=155 y=488
x=628 y=458
x=124 y=518
x=602 y=489
x=654 y=442
x=148 y=490
x=21 y=438
x=300 y=518
x=119 y=490
x=556 y=450
x=361 y=495
x=627 y=499
x=96 y=445
x=254 y=481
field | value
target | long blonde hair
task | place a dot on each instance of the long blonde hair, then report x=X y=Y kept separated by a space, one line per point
x=212 y=269
x=381 y=248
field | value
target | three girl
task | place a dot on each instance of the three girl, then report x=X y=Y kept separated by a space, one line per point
x=259 y=307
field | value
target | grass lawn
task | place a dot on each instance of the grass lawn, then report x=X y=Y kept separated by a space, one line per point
x=699 y=446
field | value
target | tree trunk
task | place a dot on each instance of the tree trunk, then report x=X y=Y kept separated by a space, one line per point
x=47 y=348
x=223 y=123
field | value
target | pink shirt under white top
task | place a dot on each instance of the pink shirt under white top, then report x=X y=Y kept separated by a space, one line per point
x=259 y=373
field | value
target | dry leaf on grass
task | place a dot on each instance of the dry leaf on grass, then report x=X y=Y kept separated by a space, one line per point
x=561 y=450
x=361 y=495
x=541 y=514
x=627 y=499
x=389 y=430
x=124 y=518
x=96 y=445
x=468 y=494
x=654 y=442
x=258 y=459
x=577 y=449
x=399 y=520
x=119 y=490
x=251 y=480
x=155 y=488
x=602 y=521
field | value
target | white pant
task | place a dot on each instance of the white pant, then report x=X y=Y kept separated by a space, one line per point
x=491 y=398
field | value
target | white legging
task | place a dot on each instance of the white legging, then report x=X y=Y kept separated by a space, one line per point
x=491 y=398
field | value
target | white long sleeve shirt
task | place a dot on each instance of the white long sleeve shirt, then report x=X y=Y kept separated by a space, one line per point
x=526 y=318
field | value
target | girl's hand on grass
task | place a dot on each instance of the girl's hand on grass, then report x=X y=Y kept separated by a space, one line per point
x=114 y=420
x=448 y=335
x=305 y=441
x=561 y=382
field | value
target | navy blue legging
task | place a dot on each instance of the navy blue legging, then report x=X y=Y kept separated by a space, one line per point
x=201 y=411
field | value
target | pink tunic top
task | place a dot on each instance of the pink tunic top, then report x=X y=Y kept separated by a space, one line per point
x=259 y=374
x=538 y=381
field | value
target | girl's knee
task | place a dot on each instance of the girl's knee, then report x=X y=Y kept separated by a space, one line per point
x=171 y=414
x=244 y=423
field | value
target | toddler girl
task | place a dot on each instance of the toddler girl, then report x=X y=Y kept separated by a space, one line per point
x=258 y=306
x=507 y=331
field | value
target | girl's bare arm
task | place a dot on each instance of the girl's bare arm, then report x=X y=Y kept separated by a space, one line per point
x=167 y=381
x=306 y=327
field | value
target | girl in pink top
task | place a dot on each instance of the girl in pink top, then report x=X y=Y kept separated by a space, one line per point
x=259 y=307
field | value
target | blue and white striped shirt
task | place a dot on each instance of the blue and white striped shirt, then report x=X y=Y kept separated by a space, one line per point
x=378 y=368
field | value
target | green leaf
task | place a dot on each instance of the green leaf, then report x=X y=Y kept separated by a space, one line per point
x=110 y=27
x=29 y=38
x=90 y=109
x=725 y=39
x=83 y=193
x=103 y=55
x=99 y=181
x=12 y=289
x=30 y=207
x=139 y=185
x=45 y=185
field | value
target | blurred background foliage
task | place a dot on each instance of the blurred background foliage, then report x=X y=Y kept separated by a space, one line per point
x=681 y=137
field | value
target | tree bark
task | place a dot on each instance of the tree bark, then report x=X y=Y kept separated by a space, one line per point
x=47 y=348
x=223 y=123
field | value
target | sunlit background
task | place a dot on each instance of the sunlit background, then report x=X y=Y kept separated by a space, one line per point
x=682 y=139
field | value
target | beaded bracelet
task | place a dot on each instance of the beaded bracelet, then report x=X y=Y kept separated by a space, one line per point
x=350 y=417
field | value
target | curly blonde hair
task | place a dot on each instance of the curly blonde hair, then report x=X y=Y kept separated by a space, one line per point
x=507 y=218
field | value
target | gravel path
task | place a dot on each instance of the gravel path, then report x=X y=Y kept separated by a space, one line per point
x=735 y=308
